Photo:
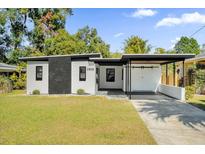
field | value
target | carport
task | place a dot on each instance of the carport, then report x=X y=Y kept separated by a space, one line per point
x=143 y=74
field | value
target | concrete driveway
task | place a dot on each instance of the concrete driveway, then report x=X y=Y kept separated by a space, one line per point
x=171 y=121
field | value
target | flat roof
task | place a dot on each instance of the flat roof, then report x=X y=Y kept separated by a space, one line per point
x=136 y=58
x=88 y=55
x=156 y=56
x=145 y=58
x=106 y=59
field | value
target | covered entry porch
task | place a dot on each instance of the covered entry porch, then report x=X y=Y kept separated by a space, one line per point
x=143 y=74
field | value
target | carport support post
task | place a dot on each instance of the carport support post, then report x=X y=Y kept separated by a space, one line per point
x=183 y=74
x=166 y=74
x=130 y=79
x=174 y=71
x=127 y=77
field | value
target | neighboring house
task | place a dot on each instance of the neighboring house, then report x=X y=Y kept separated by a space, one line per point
x=6 y=69
x=190 y=72
x=132 y=73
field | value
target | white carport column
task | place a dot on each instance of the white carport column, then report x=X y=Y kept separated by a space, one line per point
x=183 y=85
x=130 y=80
x=174 y=74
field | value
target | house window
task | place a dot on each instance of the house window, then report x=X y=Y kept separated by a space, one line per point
x=82 y=73
x=39 y=73
x=110 y=75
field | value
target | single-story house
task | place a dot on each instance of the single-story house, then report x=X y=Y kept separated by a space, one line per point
x=132 y=73
x=6 y=69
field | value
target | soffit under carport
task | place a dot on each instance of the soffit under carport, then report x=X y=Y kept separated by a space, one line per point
x=148 y=62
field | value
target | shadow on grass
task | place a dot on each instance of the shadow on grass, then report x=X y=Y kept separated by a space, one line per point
x=162 y=109
x=198 y=105
x=202 y=100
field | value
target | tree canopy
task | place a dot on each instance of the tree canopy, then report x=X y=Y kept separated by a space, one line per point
x=33 y=26
x=27 y=32
x=93 y=42
x=64 y=43
x=116 y=55
x=187 y=45
x=136 y=45
x=41 y=31
x=160 y=51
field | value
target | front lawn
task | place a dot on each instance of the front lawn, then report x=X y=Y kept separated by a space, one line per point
x=198 y=101
x=70 y=120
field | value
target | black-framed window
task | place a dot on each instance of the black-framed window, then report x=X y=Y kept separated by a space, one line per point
x=110 y=75
x=82 y=73
x=39 y=73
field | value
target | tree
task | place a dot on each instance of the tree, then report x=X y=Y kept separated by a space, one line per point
x=116 y=55
x=187 y=45
x=136 y=45
x=4 y=42
x=32 y=25
x=13 y=57
x=15 y=24
x=160 y=51
x=64 y=43
x=93 y=42
x=46 y=23
x=12 y=27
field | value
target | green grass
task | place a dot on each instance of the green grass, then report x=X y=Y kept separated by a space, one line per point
x=198 y=101
x=14 y=93
x=69 y=120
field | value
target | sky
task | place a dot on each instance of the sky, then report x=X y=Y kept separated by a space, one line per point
x=161 y=27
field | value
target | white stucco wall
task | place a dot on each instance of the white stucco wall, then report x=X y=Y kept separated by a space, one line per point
x=90 y=84
x=176 y=92
x=32 y=84
x=147 y=79
x=118 y=84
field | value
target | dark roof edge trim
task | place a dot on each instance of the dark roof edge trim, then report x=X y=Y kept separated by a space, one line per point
x=45 y=58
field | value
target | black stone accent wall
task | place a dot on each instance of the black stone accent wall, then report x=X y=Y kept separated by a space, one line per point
x=59 y=75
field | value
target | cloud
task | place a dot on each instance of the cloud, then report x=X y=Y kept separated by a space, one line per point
x=185 y=18
x=139 y=13
x=173 y=42
x=118 y=34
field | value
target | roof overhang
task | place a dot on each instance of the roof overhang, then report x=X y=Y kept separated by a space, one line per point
x=155 y=58
x=107 y=61
x=7 y=68
x=144 y=59
x=135 y=58
x=73 y=56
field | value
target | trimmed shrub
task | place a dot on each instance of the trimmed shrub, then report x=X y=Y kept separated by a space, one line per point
x=189 y=92
x=36 y=92
x=80 y=91
x=5 y=85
